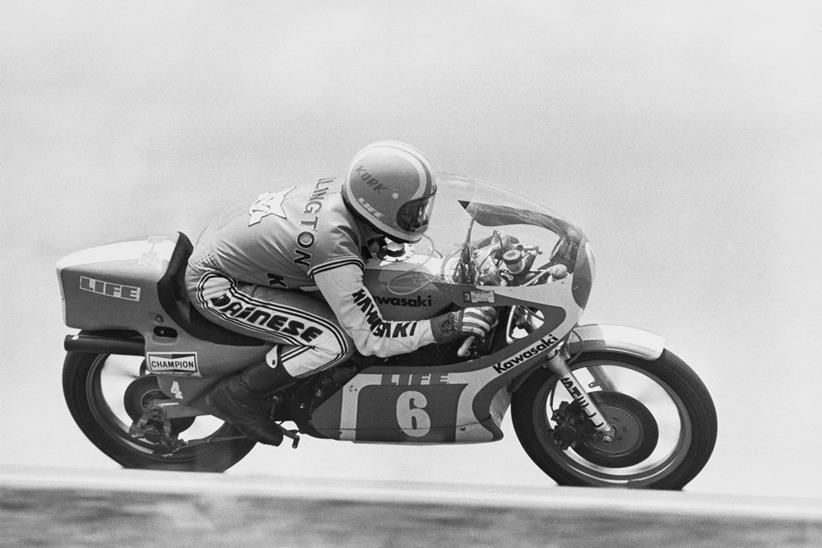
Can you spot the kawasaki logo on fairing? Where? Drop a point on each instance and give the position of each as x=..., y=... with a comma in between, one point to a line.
x=403, y=301
x=526, y=354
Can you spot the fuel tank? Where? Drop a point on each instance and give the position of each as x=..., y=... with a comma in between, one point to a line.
x=403, y=287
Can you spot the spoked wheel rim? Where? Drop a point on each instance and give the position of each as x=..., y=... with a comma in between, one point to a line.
x=117, y=386
x=656, y=429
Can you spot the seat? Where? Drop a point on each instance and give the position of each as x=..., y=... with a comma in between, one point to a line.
x=174, y=299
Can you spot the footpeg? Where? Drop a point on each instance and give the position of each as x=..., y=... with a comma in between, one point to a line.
x=154, y=427
x=294, y=435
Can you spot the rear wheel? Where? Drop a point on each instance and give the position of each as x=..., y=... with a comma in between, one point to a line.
x=107, y=394
x=664, y=419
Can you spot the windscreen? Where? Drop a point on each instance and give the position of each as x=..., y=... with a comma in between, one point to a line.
x=482, y=215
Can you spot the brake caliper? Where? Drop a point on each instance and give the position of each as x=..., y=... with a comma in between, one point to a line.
x=572, y=425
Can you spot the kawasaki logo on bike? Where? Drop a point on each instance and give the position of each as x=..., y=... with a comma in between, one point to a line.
x=166, y=362
x=528, y=353
x=404, y=301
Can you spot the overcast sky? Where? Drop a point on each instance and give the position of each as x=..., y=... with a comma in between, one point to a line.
x=684, y=138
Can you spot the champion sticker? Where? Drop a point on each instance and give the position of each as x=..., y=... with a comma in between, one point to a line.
x=183, y=363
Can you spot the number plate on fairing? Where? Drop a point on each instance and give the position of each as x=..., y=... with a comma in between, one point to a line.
x=417, y=414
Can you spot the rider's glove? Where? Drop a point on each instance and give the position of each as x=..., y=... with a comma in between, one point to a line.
x=476, y=321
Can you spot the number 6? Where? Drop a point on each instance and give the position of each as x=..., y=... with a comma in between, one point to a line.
x=411, y=416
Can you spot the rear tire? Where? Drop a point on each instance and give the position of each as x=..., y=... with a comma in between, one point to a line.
x=109, y=431
x=690, y=441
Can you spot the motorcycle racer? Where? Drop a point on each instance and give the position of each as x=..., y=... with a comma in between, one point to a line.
x=289, y=269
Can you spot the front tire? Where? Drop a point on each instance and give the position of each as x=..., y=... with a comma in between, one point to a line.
x=663, y=398
x=100, y=392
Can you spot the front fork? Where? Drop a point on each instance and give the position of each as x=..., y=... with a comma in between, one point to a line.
x=558, y=364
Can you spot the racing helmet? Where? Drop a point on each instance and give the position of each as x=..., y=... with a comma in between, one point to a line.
x=390, y=186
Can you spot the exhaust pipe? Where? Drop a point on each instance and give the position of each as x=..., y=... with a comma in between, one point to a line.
x=127, y=343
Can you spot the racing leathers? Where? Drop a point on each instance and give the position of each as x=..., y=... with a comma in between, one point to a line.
x=289, y=269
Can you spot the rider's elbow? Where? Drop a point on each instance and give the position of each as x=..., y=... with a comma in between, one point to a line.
x=372, y=346
x=369, y=348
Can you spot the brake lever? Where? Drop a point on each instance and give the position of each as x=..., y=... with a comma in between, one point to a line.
x=465, y=348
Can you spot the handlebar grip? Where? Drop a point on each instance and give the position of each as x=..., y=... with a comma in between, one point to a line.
x=465, y=348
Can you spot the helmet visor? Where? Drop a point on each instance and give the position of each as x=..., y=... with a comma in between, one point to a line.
x=413, y=217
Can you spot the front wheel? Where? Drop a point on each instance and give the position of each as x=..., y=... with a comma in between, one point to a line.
x=107, y=393
x=664, y=420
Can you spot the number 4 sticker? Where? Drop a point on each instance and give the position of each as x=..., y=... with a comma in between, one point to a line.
x=176, y=390
x=411, y=415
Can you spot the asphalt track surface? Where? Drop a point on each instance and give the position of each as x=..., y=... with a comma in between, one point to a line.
x=44, y=507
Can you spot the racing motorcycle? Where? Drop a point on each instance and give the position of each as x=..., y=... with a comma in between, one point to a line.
x=592, y=405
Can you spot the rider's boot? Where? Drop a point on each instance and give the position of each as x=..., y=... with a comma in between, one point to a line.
x=242, y=399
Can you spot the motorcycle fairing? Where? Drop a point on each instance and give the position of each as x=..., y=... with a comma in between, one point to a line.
x=469, y=399
x=462, y=402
